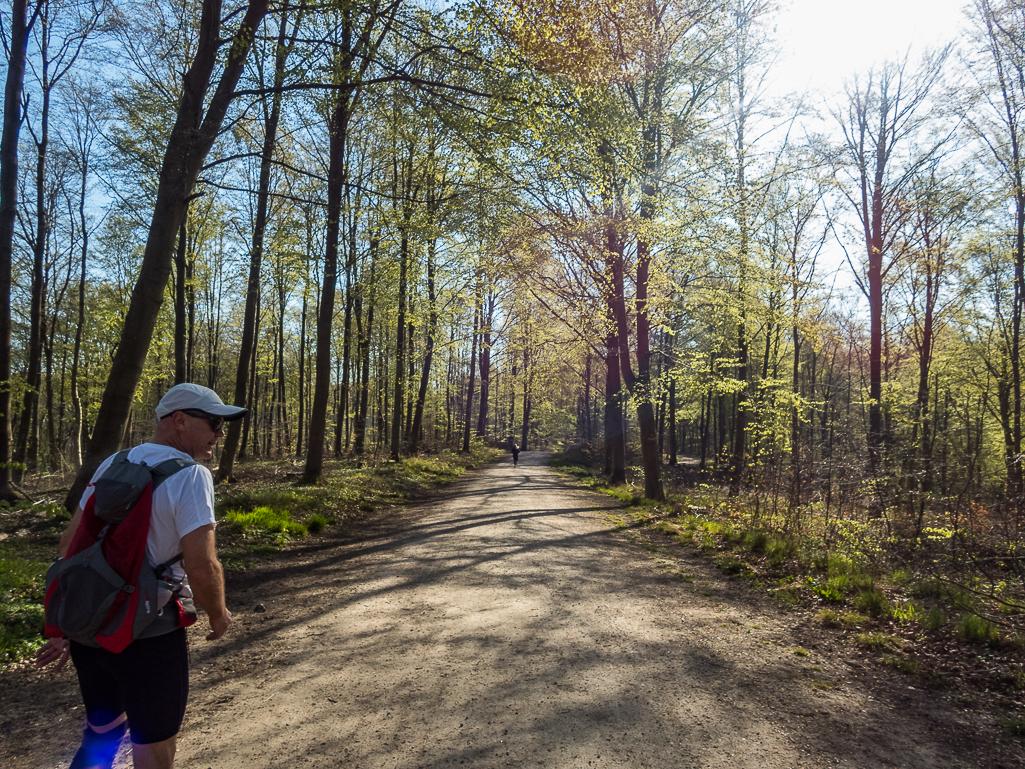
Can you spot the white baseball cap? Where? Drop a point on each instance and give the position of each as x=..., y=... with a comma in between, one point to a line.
x=194, y=397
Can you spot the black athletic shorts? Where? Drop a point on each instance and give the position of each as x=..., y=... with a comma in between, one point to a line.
x=149, y=681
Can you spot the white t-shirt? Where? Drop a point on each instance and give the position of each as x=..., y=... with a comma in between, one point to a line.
x=181, y=504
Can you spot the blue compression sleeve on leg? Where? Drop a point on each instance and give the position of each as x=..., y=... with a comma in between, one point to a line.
x=99, y=749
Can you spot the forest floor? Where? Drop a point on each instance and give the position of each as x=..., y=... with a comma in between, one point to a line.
x=511, y=620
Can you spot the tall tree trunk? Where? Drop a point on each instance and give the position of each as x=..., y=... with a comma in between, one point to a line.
x=53, y=454
x=660, y=417
x=477, y=300
x=364, y=331
x=796, y=459
x=1006, y=50
x=234, y=429
x=706, y=423
x=425, y=376
x=300, y=445
x=342, y=423
x=382, y=390
x=642, y=384
x=400, y=335
x=249, y=421
x=191, y=139
x=639, y=383
x=588, y=435
x=410, y=370
x=21, y=25
x=615, y=432
x=190, y=319
x=181, y=342
x=739, y=463
x=527, y=397
x=739, y=459
x=300, y=426
x=338, y=127
x=487, y=318
x=512, y=396
x=28, y=428
x=875, y=306
x=76, y=357
x=283, y=444
x=673, y=448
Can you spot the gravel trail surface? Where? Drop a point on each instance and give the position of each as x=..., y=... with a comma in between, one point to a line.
x=510, y=622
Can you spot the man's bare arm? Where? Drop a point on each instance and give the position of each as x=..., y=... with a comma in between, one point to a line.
x=56, y=649
x=206, y=577
x=69, y=533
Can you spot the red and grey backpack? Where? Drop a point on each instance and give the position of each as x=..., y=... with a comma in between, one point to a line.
x=105, y=592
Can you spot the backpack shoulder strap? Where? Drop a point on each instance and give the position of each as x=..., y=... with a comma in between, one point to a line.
x=169, y=467
x=121, y=456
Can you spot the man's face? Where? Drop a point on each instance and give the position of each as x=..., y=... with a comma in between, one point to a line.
x=200, y=434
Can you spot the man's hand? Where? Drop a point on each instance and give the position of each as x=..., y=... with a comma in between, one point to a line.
x=206, y=578
x=219, y=626
x=54, y=649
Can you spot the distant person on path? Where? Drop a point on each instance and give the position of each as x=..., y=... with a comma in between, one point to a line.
x=515, y=452
x=145, y=687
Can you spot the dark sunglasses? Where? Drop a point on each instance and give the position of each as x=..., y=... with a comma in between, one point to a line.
x=215, y=422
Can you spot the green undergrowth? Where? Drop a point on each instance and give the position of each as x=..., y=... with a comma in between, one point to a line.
x=260, y=513
x=22, y=587
x=268, y=506
x=263, y=511
x=31, y=536
x=841, y=575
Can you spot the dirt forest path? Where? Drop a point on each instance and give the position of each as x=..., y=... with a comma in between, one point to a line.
x=508, y=622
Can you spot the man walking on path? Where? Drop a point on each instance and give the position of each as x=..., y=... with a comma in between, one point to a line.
x=145, y=687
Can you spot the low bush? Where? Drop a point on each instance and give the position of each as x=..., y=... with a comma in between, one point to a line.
x=756, y=541
x=874, y=640
x=976, y=629
x=905, y=665
x=317, y=523
x=829, y=618
x=934, y=619
x=1014, y=726
x=266, y=519
x=908, y=613
x=873, y=603
x=731, y=566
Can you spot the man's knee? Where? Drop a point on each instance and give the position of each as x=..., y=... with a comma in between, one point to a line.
x=98, y=748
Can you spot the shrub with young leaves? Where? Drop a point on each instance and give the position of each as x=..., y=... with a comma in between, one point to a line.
x=873, y=603
x=976, y=629
x=266, y=519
